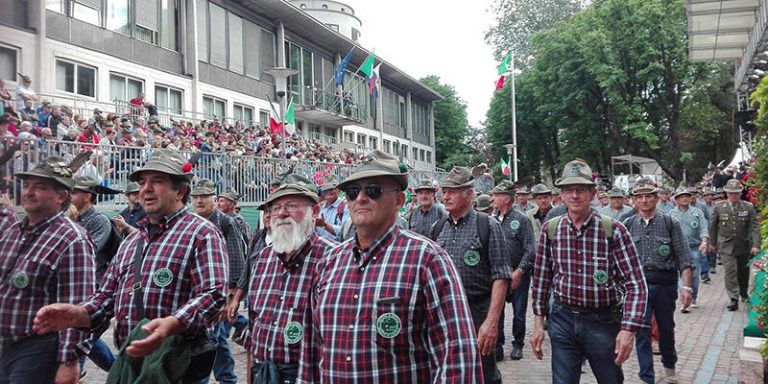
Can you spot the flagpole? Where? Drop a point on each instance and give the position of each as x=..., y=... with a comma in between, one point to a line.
x=514, y=119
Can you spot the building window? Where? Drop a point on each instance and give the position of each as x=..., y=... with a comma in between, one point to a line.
x=168, y=24
x=349, y=136
x=243, y=113
x=263, y=119
x=335, y=27
x=421, y=155
x=8, y=63
x=214, y=107
x=325, y=6
x=387, y=146
x=118, y=16
x=373, y=143
x=404, y=151
x=218, y=36
x=355, y=34
x=123, y=87
x=361, y=140
x=415, y=154
x=75, y=78
x=429, y=157
x=169, y=99
x=56, y=6
x=87, y=10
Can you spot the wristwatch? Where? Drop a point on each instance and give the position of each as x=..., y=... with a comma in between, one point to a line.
x=689, y=289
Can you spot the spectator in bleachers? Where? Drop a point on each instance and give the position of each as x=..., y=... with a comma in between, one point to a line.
x=43, y=112
x=13, y=124
x=137, y=105
x=54, y=120
x=6, y=100
x=89, y=136
x=24, y=92
x=25, y=131
x=4, y=128
x=64, y=127
x=29, y=113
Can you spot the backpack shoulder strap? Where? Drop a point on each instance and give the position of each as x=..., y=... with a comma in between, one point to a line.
x=607, y=225
x=437, y=228
x=552, y=226
x=483, y=231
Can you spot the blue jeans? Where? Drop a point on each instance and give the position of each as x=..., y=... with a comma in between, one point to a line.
x=697, y=261
x=100, y=355
x=519, y=309
x=575, y=336
x=223, y=364
x=661, y=303
x=32, y=360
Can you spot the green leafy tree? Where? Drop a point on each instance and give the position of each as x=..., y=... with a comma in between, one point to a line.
x=451, y=127
x=518, y=20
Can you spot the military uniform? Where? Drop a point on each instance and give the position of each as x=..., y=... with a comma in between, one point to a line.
x=733, y=232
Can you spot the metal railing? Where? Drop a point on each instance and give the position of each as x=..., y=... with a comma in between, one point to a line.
x=316, y=98
x=250, y=176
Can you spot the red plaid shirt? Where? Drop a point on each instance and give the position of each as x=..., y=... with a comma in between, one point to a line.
x=566, y=265
x=278, y=296
x=51, y=262
x=188, y=246
x=395, y=313
x=7, y=218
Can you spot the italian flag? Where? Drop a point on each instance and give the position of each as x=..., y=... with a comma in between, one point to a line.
x=367, y=67
x=505, y=168
x=290, y=120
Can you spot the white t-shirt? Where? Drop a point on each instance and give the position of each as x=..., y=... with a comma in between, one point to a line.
x=22, y=91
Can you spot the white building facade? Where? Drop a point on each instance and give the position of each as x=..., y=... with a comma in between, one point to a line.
x=198, y=59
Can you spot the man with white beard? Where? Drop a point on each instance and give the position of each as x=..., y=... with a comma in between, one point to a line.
x=278, y=294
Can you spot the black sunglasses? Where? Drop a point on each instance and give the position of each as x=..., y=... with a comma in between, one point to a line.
x=373, y=191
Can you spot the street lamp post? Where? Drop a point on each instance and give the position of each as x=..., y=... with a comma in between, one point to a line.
x=281, y=74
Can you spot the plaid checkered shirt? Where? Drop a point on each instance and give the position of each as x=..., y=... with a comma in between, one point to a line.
x=187, y=246
x=461, y=238
x=99, y=228
x=394, y=313
x=518, y=233
x=7, y=218
x=569, y=266
x=233, y=237
x=421, y=222
x=278, y=296
x=51, y=262
x=660, y=243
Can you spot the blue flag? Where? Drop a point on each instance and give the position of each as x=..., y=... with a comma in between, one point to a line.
x=343, y=67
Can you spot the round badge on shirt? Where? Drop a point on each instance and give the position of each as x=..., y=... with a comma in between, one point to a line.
x=388, y=325
x=162, y=277
x=664, y=250
x=293, y=332
x=471, y=258
x=600, y=277
x=20, y=280
x=514, y=224
x=694, y=224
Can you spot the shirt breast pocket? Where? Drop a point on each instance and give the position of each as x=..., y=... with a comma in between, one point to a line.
x=390, y=323
x=663, y=246
x=32, y=274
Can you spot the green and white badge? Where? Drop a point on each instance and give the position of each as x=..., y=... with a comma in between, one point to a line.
x=293, y=332
x=471, y=258
x=20, y=280
x=514, y=224
x=162, y=277
x=388, y=325
x=600, y=277
x=694, y=224
x=664, y=250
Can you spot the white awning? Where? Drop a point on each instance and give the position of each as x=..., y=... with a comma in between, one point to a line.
x=718, y=30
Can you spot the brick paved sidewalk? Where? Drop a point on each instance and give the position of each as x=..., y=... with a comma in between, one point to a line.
x=708, y=341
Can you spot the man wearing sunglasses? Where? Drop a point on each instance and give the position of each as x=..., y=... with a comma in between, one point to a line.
x=279, y=288
x=387, y=305
x=481, y=259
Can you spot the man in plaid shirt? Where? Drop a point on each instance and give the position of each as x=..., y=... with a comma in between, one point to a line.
x=45, y=258
x=483, y=265
x=183, y=272
x=204, y=204
x=7, y=215
x=590, y=266
x=387, y=305
x=279, y=288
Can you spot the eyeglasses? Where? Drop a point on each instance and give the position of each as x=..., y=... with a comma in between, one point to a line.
x=373, y=191
x=290, y=208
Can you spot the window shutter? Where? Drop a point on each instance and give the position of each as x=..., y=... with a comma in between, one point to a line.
x=146, y=14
